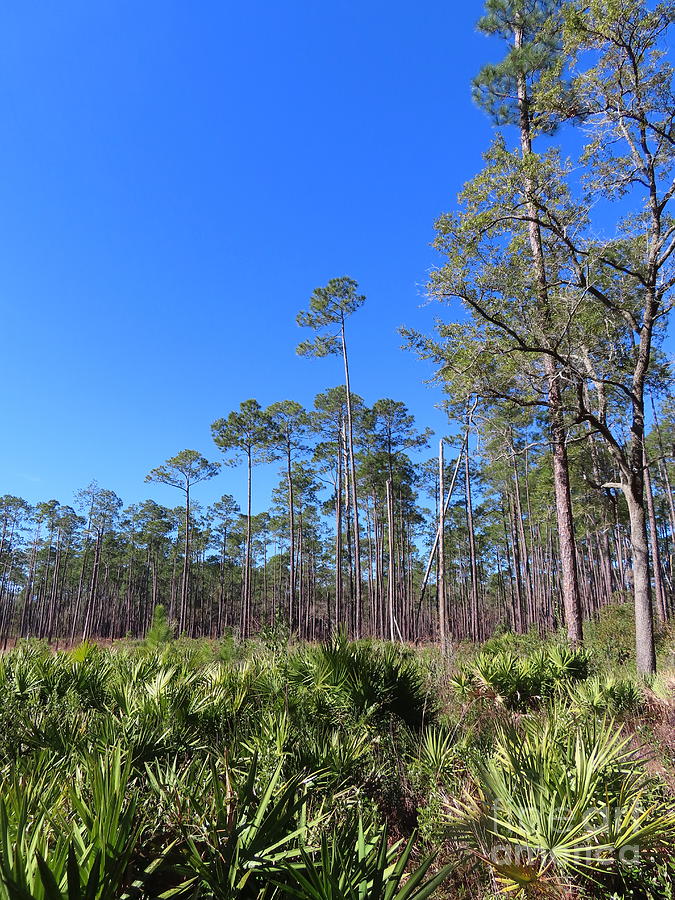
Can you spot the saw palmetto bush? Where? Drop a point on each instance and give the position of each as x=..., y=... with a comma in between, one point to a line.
x=520, y=682
x=363, y=679
x=554, y=802
x=607, y=694
x=341, y=757
x=174, y=770
x=437, y=755
x=27, y=837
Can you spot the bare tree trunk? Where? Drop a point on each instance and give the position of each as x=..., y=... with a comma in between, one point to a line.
x=659, y=588
x=391, y=581
x=517, y=569
x=475, y=621
x=668, y=490
x=441, y=551
x=563, y=508
x=89, y=612
x=291, y=533
x=355, y=499
x=644, y=625
x=246, y=584
x=186, y=564
x=519, y=537
x=338, y=541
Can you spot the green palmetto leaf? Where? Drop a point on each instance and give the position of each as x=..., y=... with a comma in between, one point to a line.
x=570, y=801
x=437, y=751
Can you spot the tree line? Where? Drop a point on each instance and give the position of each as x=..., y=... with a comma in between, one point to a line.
x=94, y=568
x=554, y=494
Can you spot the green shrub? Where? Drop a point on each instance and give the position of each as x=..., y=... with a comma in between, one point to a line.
x=606, y=694
x=190, y=762
x=520, y=682
x=363, y=679
x=611, y=637
x=553, y=802
x=511, y=642
x=242, y=836
x=227, y=647
x=160, y=631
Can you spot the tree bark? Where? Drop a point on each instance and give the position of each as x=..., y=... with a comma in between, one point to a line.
x=391, y=580
x=563, y=500
x=659, y=588
x=354, y=492
x=644, y=625
x=441, y=551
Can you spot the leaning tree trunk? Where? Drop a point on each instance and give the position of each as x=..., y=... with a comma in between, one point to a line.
x=474, y=618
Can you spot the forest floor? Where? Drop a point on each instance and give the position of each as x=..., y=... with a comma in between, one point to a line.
x=350, y=769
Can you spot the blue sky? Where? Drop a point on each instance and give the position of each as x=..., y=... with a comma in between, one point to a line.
x=176, y=179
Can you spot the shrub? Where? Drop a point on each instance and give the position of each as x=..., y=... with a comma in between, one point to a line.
x=520, y=682
x=553, y=802
x=606, y=694
x=363, y=679
x=611, y=637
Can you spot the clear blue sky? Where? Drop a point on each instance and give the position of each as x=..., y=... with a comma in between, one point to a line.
x=176, y=179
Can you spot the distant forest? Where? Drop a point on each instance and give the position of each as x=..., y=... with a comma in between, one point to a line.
x=552, y=497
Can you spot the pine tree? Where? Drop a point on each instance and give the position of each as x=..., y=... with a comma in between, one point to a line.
x=183, y=471
x=249, y=431
x=329, y=308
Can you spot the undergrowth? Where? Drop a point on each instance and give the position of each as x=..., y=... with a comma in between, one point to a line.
x=175, y=768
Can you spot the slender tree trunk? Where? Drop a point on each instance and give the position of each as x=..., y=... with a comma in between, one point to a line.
x=354, y=491
x=93, y=585
x=668, y=490
x=644, y=625
x=186, y=563
x=338, y=542
x=441, y=551
x=517, y=568
x=391, y=580
x=475, y=620
x=563, y=507
x=659, y=587
x=246, y=585
x=291, y=533
x=524, y=554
